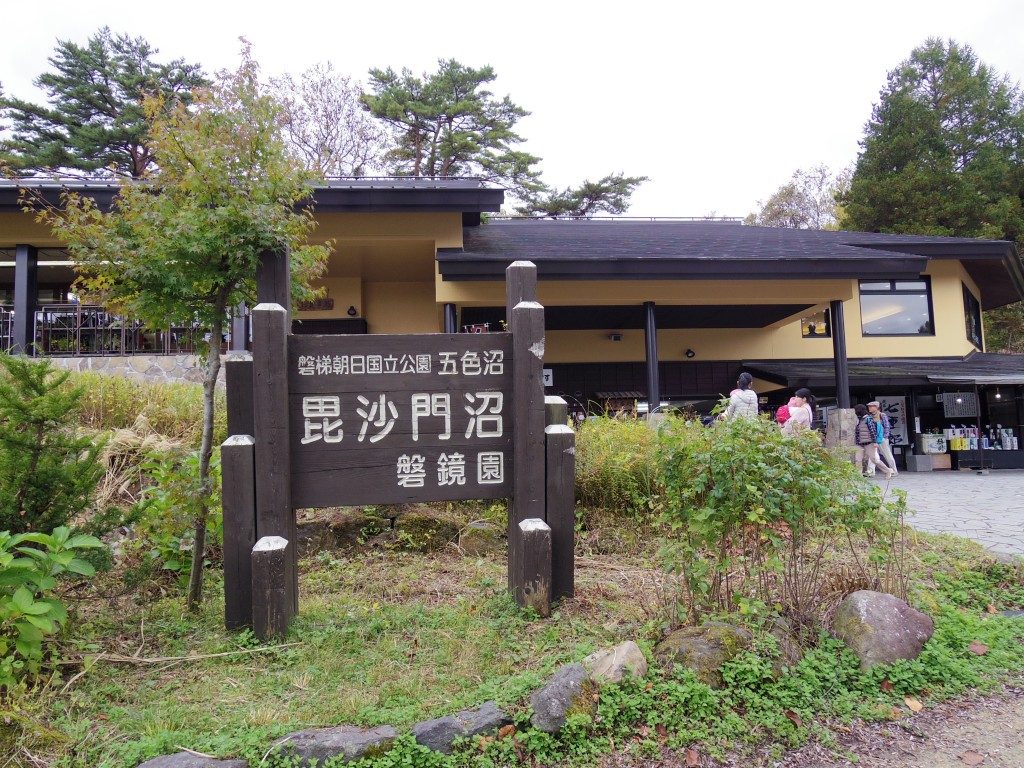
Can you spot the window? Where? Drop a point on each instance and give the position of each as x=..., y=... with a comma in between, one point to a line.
x=816, y=326
x=896, y=308
x=972, y=311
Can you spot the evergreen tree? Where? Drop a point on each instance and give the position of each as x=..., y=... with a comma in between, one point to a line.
x=943, y=154
x=608, y=195
x=47, y=473
x=94, y=119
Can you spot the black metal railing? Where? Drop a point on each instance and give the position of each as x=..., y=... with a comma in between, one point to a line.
x=6, y=327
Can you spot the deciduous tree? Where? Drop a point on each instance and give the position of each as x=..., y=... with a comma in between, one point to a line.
x=807, y=201
x=943, y=154
x=184, y=245
x=94, y=120
x=326, y=125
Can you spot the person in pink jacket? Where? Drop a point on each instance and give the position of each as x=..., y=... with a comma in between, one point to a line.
x=801, y=412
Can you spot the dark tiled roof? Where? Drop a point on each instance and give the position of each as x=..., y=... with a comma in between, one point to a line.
x=977, y=367
x=624, y=249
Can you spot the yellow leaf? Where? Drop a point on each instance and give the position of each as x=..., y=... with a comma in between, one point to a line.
x=913, y=704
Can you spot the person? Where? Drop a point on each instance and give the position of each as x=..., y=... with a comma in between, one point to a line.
x=883, y=429
x=801, y=412
x=742, y=400
x=867, y=446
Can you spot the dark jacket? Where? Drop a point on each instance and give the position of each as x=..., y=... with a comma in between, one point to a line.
x=866, y=433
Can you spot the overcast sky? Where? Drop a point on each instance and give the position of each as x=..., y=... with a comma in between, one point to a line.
x=718, y=103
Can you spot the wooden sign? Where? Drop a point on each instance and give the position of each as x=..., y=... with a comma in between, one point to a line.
x=388, y=419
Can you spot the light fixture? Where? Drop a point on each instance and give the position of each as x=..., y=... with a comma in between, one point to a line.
x=959, y=400
x=615, y=336
x=999, y=395
x=690, y=353
x=352, y=311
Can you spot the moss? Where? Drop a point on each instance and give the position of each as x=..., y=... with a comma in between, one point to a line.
x=704, y=649
x=586, y=702
x=425, y=529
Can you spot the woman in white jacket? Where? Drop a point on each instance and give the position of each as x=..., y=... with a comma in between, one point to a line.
x=742, y=400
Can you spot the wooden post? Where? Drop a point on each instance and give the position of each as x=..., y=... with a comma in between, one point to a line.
x=238, y=383
x=527, y=327
x=271, y=601
x=273, y=279
x=274, y=514
x=26, y=274
x=842, y=366
x=238, y=499
x=560, y=463
x=556, y=410
x=240, y=328
x=533, y=564
x=520, y=284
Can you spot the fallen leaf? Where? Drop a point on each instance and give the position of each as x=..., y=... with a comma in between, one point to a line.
x=971, y=757
x=692, y=758
x=644, y=731
x=662, y=732
x=913, y=704
x=794, y=718
x=887, y=685
x=895, y=713
x=978, y=648
x=991, y=608
x=505, y=731
x=649, y=687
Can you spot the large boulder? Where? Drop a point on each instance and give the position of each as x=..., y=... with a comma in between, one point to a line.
x=611, y=665
x=344, y=742
x=704, y=649
x=880, y=628
x=350, y=527
x=480, y=538
x=188, y=760
x=425, y=529
x=569, y=692
x=440, y=734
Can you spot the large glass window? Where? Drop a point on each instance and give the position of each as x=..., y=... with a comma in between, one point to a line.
x=816, y=326
x=896, y=308
x=972, y=311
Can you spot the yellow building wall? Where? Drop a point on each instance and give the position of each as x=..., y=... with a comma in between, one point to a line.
x=401, y=308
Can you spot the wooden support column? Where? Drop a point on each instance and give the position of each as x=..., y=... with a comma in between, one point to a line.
x=240, y=328
x=26, y=281
x=556, y=410
x=526, y=323
x=451, y=318
x=238, y=384
x=560, y=461
x=274, y=515
x=842, y=367
x=238, y=500
x=271, y=603
x=651, y=346
x=533, y=565
x=273, y=279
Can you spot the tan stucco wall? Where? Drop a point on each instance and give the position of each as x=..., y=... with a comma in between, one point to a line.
x=401, y=308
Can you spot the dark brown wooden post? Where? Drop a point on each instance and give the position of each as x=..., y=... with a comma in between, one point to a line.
x=561, y=507
x=526, y=323
x=520, y=284
x=240, y=328
x=238, y=383
x=274, y=515
x=271, y=603
x=273, y=279
x=556, y=410
x=238, y=499
x=533, y=565
x=26, y=273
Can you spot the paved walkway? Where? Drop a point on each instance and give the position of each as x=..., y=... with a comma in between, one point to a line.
x=987, y=508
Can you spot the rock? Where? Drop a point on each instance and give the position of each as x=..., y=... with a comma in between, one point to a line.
x=613, y=664
x=790, y=651
x=704, y=649
x=188, y=760
x=439, y=734
x=346, y=742
x=881, y=628
x=569, y=692
x=351, y=527
x=425, y=529
x=1013, y=614
x=480, y=538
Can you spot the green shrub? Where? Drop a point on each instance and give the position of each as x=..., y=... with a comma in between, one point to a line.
x=174, y=409
x=616, y=465
x=48, y=473
x=756, y=514
x=28, y=610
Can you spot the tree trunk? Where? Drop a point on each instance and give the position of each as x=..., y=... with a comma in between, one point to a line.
x=195, y=580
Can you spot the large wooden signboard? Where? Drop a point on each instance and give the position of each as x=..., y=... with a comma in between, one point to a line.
x=346, y=420
x=391, y=419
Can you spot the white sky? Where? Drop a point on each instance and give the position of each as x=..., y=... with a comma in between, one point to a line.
x=718, y=103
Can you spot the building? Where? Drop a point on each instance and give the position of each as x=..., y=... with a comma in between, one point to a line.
x=637, y=311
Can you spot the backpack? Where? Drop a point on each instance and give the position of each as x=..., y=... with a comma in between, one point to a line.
x=782, y=415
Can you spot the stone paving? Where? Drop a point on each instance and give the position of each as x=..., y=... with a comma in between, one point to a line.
x=987, y=508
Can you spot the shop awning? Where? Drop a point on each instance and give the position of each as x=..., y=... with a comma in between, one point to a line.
x=976, y=368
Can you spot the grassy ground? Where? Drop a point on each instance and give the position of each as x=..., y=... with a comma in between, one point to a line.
x=395, y=637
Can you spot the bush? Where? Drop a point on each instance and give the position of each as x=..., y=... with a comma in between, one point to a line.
x=28, y=610
x=616, y=464
x=757, y=514
x=47, y=472
x=174, y=409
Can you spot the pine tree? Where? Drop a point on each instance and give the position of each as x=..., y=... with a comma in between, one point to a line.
x=48, y=473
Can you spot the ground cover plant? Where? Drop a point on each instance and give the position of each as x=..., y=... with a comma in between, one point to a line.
x=392, y=634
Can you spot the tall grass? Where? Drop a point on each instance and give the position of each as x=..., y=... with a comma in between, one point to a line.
x=616, y=464
x=174, y=410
